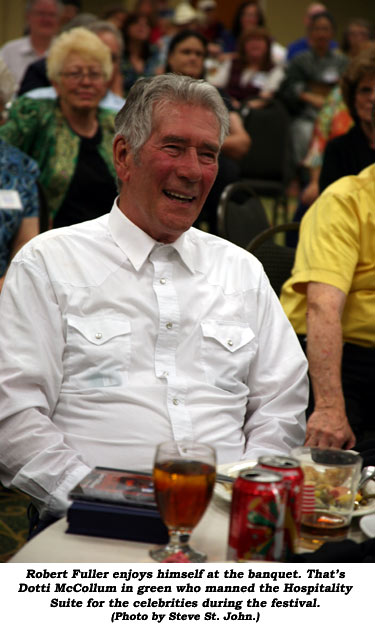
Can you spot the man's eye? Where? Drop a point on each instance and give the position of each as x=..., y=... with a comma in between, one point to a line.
x=172, y=148
x=207, y=156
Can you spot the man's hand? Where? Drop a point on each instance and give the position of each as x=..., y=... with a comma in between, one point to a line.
x=316, y=100
x=329, y=427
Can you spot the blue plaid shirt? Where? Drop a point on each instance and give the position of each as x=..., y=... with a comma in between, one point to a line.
x=17, y=172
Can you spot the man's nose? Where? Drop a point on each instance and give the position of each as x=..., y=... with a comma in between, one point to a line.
x=189, y=166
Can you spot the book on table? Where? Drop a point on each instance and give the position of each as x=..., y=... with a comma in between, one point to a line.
x=118, y=504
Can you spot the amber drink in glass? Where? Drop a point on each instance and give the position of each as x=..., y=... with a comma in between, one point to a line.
x=184, y=478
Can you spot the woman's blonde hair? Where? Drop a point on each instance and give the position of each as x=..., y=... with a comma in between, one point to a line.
x=83, y=42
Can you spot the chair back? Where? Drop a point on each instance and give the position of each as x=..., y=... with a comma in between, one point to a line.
x=277, y=260
x=268, y=159
x=241, y=215
x=268, y=164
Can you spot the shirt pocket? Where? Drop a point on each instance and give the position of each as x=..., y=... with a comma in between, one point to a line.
x=97, y=352
x=227, y=351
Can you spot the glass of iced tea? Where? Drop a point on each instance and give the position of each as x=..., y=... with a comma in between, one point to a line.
x=330, y=484
x=184, y=478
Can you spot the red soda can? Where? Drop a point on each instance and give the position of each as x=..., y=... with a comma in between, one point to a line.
x=257, y=517
x=293, y=476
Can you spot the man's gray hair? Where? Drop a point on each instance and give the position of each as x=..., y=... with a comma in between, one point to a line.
x=30, y=5
x=102, y=26
x=134, y=120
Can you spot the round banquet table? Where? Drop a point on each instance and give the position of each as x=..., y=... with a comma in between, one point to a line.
x=55, y=545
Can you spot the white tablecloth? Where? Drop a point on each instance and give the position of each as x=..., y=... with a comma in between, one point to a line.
x=55, y=545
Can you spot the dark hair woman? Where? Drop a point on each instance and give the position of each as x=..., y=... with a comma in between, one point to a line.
x=252, y=78
x=141, y=59
x=186, y=54
x=356, y=35
x=250, y=15
x=350, y=153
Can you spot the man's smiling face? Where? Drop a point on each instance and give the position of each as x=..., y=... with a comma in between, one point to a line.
x=166, y=184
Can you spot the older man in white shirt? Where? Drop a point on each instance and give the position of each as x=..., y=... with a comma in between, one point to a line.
x=135, y=328
x=42, y=17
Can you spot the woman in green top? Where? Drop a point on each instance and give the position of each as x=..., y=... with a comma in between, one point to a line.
x=71, y=137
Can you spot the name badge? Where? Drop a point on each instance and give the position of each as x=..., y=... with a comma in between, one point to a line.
x=330, y=75
x=10, y=200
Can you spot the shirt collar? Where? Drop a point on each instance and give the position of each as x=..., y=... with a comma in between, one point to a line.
x=137, y=244
x=26, y=47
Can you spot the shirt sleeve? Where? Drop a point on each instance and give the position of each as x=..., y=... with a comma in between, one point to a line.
x=331, y=256
x=274, y=79
x=28, y=189
x=277, y=381
x=34, y=456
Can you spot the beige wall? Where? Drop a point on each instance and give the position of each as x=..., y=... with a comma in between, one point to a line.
x=12, y=14
x=284, y=17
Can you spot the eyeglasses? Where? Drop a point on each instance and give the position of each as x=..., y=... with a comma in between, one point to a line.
x=77, y=75
x=44, y=14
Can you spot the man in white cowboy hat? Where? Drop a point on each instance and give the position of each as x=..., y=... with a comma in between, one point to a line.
x=184, y=17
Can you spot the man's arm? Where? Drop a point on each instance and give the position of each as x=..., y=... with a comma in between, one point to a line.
x=316, y=100
x=34, y=455
x=328, y=425
x=278, y=385
x=237, y=143
x=28, y=229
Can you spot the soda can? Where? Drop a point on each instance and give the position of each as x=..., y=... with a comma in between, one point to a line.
x=257, y=517
x=293, y=476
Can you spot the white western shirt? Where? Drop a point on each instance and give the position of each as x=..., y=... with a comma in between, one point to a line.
x=111, y=343
x=18, y=54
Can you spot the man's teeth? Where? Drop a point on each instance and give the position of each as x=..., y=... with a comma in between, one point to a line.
x=173, y=195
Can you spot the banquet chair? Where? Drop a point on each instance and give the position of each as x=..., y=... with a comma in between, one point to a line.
x=268, y=163
x=277, y=260
x=240, y=214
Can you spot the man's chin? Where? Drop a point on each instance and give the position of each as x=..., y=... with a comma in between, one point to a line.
x=175, y=228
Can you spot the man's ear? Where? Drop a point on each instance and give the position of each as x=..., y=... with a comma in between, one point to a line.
x=121, y=157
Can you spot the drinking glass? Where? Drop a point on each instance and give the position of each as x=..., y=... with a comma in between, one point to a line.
x=184, y=477
x=331, y=479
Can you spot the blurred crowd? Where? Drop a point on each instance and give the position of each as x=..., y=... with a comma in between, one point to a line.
x=64, y=80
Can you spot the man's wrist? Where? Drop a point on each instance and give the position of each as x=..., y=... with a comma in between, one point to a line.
x=323, y=406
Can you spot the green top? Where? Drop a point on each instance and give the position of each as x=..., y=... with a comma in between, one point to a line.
x=39, y=128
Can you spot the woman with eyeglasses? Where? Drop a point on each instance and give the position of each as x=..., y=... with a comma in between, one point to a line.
x=70, y=138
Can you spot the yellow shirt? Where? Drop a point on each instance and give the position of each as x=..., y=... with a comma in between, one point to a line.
x=337, y=247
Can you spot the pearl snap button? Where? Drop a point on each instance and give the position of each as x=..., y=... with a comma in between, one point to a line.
x=169, y=325
x=175, y=402
x=163, y=281
x=230, y=343
x=98, y=336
